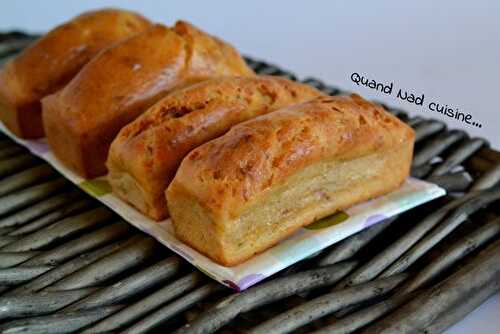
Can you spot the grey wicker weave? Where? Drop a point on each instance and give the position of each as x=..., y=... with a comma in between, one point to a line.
x=68, y=264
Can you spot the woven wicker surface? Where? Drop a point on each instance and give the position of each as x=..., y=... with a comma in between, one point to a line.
x=67, y=264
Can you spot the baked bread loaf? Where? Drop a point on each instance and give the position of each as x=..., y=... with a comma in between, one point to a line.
x=145, y=155
x=48, y=64
x=243, y=192
x=121, y=82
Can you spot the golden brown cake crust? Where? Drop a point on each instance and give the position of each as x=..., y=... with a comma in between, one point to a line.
x=51, y=61
x=241, y=193
x=208, y=54
x=229, y=172
x=121, y=82
x=150, y=149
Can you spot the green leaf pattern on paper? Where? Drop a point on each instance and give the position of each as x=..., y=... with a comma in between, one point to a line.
x=96, y=187
x=334, y=219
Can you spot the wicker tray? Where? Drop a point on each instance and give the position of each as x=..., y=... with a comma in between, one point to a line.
x=67, y=264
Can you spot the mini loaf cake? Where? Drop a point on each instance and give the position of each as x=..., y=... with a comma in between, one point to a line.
x=119, y=84
x=48, y=64
x=145, y=155
x=243, y=192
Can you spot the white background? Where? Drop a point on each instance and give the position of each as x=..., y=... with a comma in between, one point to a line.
x=447, y=50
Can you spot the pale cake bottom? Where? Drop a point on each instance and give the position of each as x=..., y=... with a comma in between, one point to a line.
x=131, y=191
